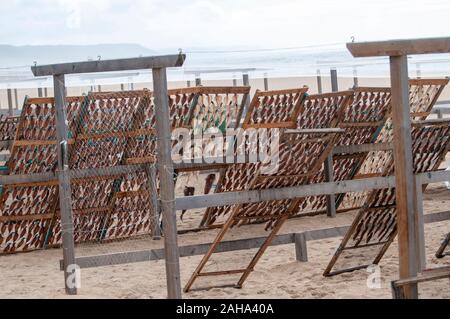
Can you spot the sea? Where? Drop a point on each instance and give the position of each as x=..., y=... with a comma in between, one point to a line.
x=258, y=63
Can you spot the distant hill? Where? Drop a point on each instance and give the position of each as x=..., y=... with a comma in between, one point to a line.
x=45, y=54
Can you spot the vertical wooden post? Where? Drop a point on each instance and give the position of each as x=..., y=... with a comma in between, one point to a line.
x=10, y=102
x=122, y=87
x=99, y=88
x=301, y=248
x=65, y=192
x=167, y=185
x=334, y=80
x=198, y=80
x=329, y=177
x=16, y=98
x=132, y=86
x=329, y=167
x=40, y=92
x=246, y=82
x=266, y=82
x=45, y=92
x=151, y=173
x=420, y=230
x=189, y=84
x=355, y=78
x=405, y=182
x=319, y=82
x=234, y=81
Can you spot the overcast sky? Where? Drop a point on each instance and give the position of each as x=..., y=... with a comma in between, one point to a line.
x=159, y=24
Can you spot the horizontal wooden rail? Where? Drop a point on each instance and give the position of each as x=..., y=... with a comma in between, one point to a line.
x=299, y=239
x=256, y=196
x=154, y=62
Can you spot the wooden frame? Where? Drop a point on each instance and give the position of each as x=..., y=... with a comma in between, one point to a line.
x=158, y=66
x=398, y=50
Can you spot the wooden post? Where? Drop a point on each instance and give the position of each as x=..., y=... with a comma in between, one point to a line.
x=188, y=84
x=167, y=185
x=151, y=173
x=65, y=192
x=246, y=82
x=234, y=81
x=16, y=98
x=132, y=86
x=355, y=78
x=198, y=80
x=122, y=87
x=99, y=88
x=329, y=177
x=266, y=82
x=420, y=230
x=404, y=177
x=10, y=103
x=334, y=80
x=319, y=82
x=40, y=92
x=329, y=166
x=301, y=247
x=45, y=92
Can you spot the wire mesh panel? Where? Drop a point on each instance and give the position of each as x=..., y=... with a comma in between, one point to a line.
x=112, y=156
x=375, y=225
x=26, y=210
x=423, y=96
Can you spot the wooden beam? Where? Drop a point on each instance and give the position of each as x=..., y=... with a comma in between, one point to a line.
x=334, y=80
x=167, y=184
x=363, y=148
x=329, y=177
x=319, y=82
x=10, y=102
x=314, y=131
x=75, y=175
x=166, y=61
x=404, y=175
x=223, y=247
x=65, y=190
x=400, y=47
x=256, y=196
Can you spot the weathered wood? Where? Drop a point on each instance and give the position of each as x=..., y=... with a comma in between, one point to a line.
x=10, y=102
x=329, y=177
x=16, y=98
x=363, y=148
x=167, y=185
x=420, y=230
x=319, y=82
x=65, y=190
x=151, y=175
x=404, y=174
x=18, y=180
x=400, y=47
x=141, y=63
x=223, y=247
x=301, y=248
x=266, y=83
x=314, y=131
x=256, y=196
x=398, y=287
x=334, y=80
